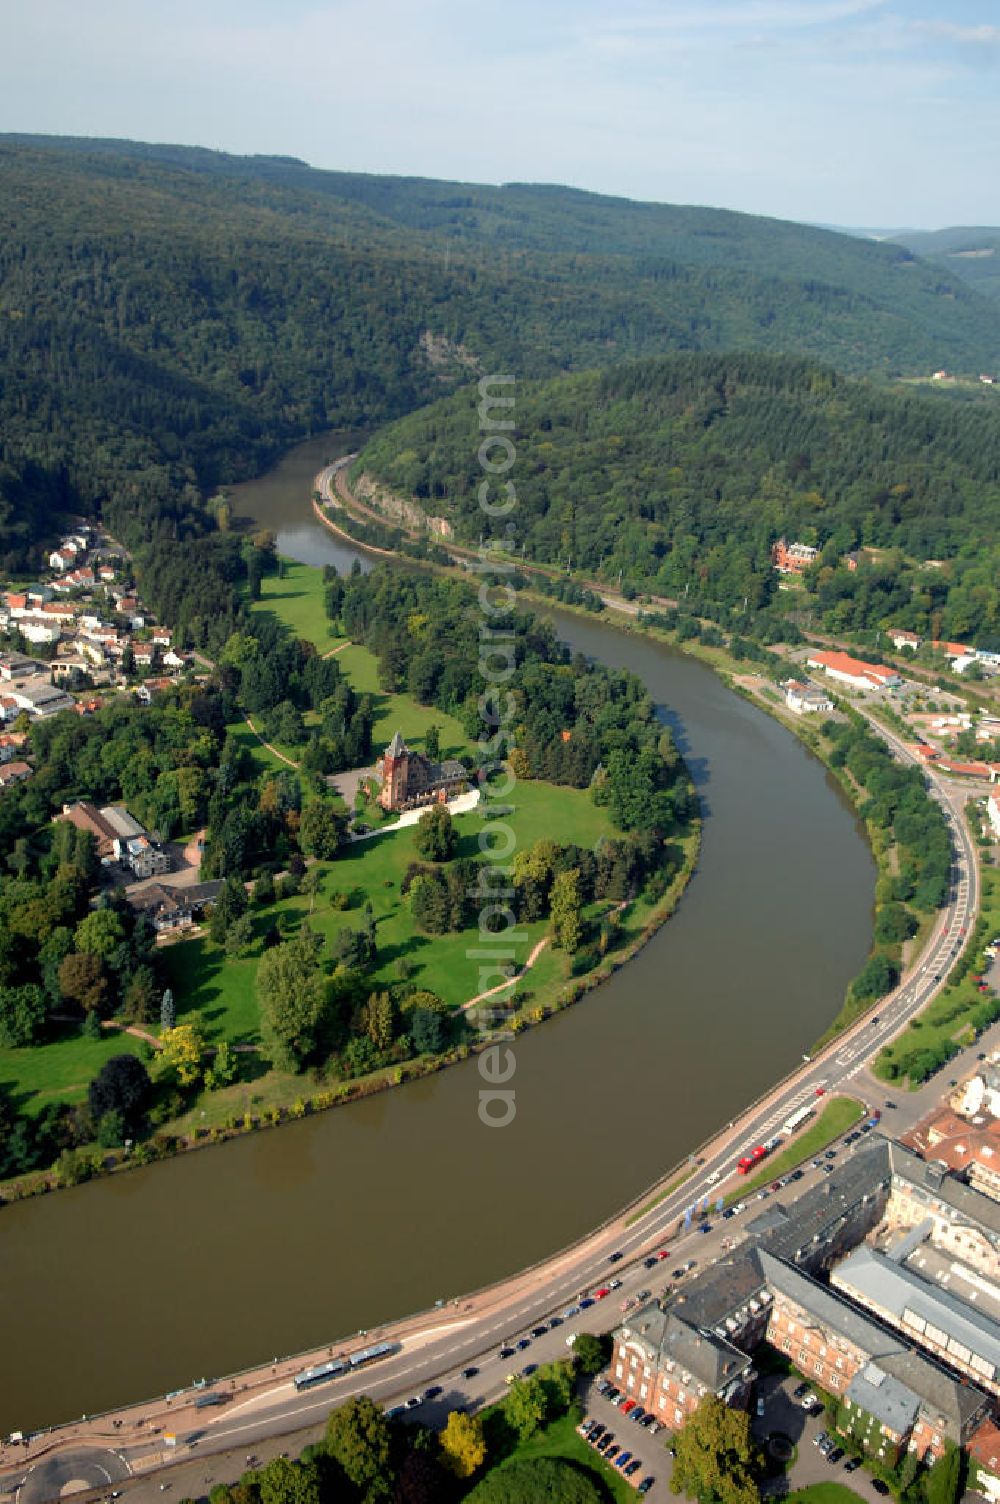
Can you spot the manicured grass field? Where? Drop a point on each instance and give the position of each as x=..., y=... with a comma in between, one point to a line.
x=400, y=712
x=62, y=1070
x=823, y=1493
x=296, y=599
x=560, y=1439
x=838, y=1115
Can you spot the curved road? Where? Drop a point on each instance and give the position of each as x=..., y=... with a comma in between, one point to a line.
x=469, y=1334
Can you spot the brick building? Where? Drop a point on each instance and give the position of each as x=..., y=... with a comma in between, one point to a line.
x=409, y=779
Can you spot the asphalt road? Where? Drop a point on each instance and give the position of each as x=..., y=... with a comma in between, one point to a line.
x=441, y=1351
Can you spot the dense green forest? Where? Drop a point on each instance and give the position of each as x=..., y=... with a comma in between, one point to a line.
x=681, y=471
x=967, y=252
x=171, y=318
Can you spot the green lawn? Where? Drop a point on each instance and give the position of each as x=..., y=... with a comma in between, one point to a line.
x=560, y=1439
x=400, y=712
x=221, y=991
x=62, y=1070
x=823, y=1493
x=838, y=1115
x=296, y=599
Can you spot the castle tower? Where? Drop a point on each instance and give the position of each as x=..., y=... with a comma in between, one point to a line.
x=395, y=773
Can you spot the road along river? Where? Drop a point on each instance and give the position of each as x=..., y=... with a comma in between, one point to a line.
x=284, y=1239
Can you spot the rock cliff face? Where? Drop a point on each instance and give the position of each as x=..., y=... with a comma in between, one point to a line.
x=400, y=509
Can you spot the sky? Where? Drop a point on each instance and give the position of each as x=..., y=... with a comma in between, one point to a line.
x=866, y=113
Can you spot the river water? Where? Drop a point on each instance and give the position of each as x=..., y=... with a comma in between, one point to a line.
x=282, y=1240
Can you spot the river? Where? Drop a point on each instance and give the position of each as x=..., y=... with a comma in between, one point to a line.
x=284, y=1239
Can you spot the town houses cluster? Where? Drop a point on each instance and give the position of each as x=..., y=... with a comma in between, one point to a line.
x=80, y=630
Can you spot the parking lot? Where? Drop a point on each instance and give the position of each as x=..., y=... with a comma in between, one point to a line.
x=784, y=1417
x=649, y=1449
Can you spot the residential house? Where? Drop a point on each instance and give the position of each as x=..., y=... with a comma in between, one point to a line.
x=793, y=558
x=806, y=698
x=13, y=772
x=170, y=909
x=903, y=639
x=145, y=858
x=11, y=743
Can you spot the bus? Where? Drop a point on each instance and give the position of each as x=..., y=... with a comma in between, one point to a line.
x=372, y=1354
x=321, y=1373
x=205, y=1401
x=799, y=1116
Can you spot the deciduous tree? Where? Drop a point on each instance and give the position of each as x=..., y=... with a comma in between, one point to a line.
x=462, y=1443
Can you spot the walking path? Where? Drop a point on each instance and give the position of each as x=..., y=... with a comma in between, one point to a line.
x=271, y=747
x=511, y=981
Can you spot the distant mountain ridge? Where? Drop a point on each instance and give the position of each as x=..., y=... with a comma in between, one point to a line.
x=172, y=317
x=964, y=251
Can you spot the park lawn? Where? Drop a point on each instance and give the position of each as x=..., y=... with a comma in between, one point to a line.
x=560, y=1439
x=399, y=712
x=206, y=982
x=222, y=992
x=296, y=598
x=823, y=1493
x=264, y=759
x=839, y=1114
x=61, y=1070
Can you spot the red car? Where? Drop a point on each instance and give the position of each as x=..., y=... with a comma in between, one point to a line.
x=663, y=1253
x=600, y=1294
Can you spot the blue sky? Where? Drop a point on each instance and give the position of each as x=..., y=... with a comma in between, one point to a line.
x=851, y=112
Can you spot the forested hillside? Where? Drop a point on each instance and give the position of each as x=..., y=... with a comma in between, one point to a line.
x=964, y=251
x=680, y=472
x=171, y=318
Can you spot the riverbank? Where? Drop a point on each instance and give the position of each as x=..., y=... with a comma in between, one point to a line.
x=211, y=985
x=737, y=674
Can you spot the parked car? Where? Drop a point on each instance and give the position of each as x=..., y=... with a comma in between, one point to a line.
x=646, y=1485
x=539, y=1331
x=880, y=1487
x=470, y=1372
x=433, y=1392
x=819, y=1440
x=852, y=1464
x=633, y=1467
x=614, y=1258
x=649, y=1263
x=835, y=1456
x=505, y=1352
x=800, y=1390
x=622, y=1458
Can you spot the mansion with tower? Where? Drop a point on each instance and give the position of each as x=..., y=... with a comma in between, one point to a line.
x=409, y=780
